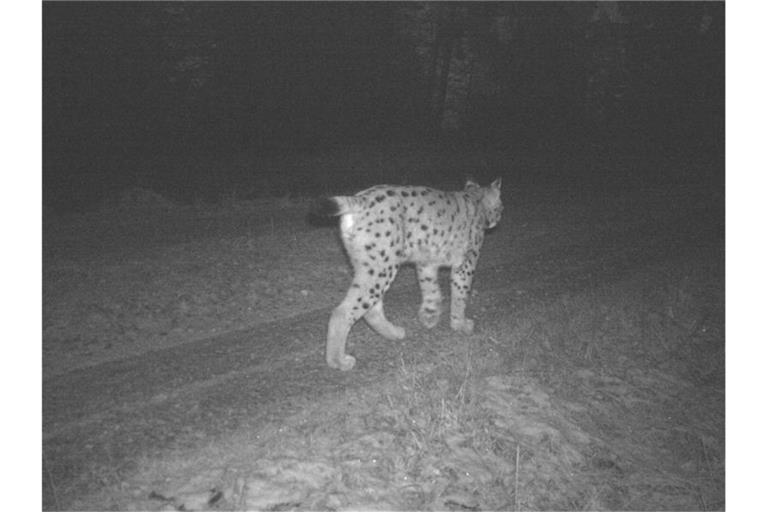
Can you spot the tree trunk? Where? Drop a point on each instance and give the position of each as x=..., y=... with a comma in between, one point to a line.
x=448, y=37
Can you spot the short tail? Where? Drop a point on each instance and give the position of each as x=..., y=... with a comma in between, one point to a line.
x=338, y=205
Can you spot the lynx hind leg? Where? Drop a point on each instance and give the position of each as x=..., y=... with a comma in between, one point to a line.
x=363, y=300
x=461, y=283
x=379, y=323
x=374, y=283
x=342, y=319
x=351, y=309
x=431, y=298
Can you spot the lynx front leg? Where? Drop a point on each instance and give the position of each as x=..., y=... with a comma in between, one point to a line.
x=461, y=283
x=431, y=298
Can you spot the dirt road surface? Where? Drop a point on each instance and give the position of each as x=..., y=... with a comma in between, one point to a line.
x=113, y=404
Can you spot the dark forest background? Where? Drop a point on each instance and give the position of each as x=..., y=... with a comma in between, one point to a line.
x=190, y=99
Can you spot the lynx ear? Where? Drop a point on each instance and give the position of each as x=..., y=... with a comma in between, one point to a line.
x=471, y=183
x=496, y=184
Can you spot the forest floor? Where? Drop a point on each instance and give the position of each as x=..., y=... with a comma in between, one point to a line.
x=183, y=364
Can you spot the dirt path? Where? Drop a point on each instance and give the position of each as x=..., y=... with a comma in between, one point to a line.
x=113, y=414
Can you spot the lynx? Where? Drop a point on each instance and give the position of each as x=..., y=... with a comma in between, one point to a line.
x=384, y=227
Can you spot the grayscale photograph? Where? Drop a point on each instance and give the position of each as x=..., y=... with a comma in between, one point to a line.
x=457, y=256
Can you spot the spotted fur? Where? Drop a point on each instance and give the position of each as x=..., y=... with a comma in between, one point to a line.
x=385, y=226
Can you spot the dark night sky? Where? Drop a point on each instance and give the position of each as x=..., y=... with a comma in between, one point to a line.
x=180, y=81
